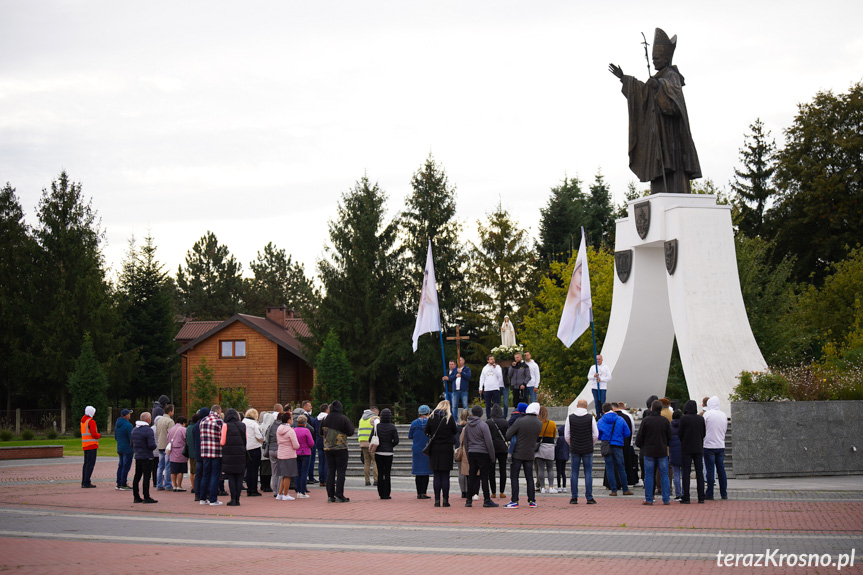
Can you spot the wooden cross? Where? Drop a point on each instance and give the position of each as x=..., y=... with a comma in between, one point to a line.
x=457, y=339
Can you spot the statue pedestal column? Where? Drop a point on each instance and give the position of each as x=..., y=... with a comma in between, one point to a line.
x=682, y=282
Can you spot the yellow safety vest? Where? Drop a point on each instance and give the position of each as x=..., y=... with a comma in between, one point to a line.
x=366, y=426
x=87, y=439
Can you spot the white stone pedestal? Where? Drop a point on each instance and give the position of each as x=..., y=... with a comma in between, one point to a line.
x=700, y=303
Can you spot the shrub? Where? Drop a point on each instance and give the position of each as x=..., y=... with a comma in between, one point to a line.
x=28, y=435
x=6, y=434
x=760, y=386
x=233, y=397
x=51, y=434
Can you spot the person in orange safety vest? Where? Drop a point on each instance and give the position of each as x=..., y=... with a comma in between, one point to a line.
x=90, y=442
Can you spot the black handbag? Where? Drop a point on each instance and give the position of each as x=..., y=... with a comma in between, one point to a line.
x=427, y=448
x=605, y=446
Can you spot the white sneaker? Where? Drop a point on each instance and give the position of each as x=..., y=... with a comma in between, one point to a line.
x=475, y=498
x=543, y=490
x=204, y=502
x=216, y=502
x=287, y=498
x=302, y=496
x=279, y=497
x=552, y=490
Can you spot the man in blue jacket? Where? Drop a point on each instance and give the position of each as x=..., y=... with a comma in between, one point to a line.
x=613, y=429
x=123, y=435
x=143, y=443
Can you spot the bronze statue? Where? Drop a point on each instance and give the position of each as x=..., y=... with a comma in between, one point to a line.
x=661, y=150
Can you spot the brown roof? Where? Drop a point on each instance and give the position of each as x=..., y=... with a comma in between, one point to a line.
x=298, y=327
x=281, y=336
x=194, y=329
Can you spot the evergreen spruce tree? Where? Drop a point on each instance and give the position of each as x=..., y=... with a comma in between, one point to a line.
x=752, y=183
x=17, y=250
x=147, y=318
x=210, y=287
x=278, y=281
x=362, y=280
x=560, y=222
x=202, y=391
x=333, y=376
x=88, y=385
x=73, y=294
x=599, y=216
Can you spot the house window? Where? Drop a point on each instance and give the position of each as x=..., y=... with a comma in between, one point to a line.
x=232, y=348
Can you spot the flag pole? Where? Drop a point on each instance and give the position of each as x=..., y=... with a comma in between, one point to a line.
x=595, y=362
x=443, y=361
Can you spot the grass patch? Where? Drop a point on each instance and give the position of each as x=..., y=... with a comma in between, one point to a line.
x=71, y=445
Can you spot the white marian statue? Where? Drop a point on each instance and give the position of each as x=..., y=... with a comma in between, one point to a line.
x=507, y=333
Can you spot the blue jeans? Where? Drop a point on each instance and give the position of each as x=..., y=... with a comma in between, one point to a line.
x=200, y=492
x=612, y=462
x=322, y=466
x=491, y=397
x=678, y=488
x=650, y=464
x=715, y=458
x=123, y=468
x=163, y=472
x=576, y=461
x=504, y=400
x=531, y=394
x=454, y=398
x=598, y=399
x=210, y=479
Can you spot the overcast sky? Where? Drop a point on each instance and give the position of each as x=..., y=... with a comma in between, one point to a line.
x=250, y=119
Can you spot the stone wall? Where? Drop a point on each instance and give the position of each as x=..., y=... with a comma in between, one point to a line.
x=797, y=438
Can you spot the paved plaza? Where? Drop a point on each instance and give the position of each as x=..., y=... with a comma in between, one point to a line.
x=48, y=524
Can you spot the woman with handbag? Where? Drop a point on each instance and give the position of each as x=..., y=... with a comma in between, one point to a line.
x=387, y=437
x=420, y=464
x=287, y=455
x=442, y=430
x=179, y=462
x=545, y=453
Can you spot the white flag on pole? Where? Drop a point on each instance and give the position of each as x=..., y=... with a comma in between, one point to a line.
x=577, y=309
x=428, y=316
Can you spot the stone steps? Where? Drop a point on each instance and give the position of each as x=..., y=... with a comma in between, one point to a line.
x=402, y=455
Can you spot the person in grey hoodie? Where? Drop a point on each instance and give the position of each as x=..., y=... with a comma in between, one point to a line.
x=480, y=450
x=526, y=430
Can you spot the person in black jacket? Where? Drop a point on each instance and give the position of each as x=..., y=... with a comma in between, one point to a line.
x=336, y=428
x=498, y=426
x=691, y=434
x=143, y=444
x=388, y=436
x=525, y=430
x=653, y=438
x=442, y=430
x=234, y=454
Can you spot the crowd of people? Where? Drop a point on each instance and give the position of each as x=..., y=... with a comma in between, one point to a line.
x=275, y=452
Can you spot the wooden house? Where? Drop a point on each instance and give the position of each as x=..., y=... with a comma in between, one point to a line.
x=262, y=355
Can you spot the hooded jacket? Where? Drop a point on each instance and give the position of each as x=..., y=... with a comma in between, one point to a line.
x=692, y=429
x=90, y=423
x=366, y=426
x=526, y=430
x=654, y=435
x=497, y=425
x=387, y=433
x=674, y=447
x=159, y=406
x=233, y=443
x=614, y=429
x=336, y=428
x=477, y=436
x=123, y=434
x=143, y=440
x=716, y=424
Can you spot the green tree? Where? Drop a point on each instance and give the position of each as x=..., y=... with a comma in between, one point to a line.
x=147, y=320
x=17, y=250
x=333, y=375
x=501, y=276
x=560, y=222
x=564, y=371
x=598, y=219
x=362, y=280
x=73, y=294
x=203, y=391
x=818, y=214
x=753, y=185
x=210, y=287
x=88, y=385
x=632, y=193
x=234, y=398
x=278, y=281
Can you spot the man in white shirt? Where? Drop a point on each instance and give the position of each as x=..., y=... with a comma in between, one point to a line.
x=598, y=380
x=490, y=384
x=533, y=384
x=716, y=425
